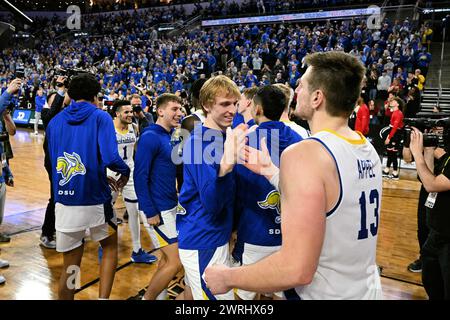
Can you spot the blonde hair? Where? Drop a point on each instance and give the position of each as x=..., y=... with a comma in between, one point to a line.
x=288, y=92
x=215, y=86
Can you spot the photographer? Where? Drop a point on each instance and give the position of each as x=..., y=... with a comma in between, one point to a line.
x=435, y=252
x=5, y=175
x=55, y=103
x=144, y=118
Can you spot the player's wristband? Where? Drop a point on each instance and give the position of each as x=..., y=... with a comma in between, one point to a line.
x=275, y=180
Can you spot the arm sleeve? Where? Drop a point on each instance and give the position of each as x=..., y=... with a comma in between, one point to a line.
x=55, y=108
x=108, y=146
x=145, y=154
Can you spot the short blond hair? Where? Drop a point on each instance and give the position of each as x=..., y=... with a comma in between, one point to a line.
x=215, y=86
x=288, y=92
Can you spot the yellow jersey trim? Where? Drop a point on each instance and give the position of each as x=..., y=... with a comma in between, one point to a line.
x=351, y=141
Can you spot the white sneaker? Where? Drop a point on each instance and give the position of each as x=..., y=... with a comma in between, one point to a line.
x=4, y=264
x=47, y=243
x=2, y=279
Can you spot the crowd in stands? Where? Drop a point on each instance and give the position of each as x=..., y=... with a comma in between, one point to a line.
x=132, y=57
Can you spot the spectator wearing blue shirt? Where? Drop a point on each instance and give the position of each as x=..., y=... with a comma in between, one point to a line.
x=40, y=101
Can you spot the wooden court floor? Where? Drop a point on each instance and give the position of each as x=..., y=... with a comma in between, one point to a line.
x=34, y=271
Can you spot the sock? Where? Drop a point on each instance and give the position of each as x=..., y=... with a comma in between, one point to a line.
x=133, y=223
x=163, y=295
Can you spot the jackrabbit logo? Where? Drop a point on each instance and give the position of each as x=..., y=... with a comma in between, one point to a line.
x=69, y=166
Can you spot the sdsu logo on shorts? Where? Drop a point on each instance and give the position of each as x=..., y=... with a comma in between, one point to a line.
x=69, y=166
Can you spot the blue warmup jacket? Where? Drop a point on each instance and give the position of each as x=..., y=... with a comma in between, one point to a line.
x=239, y=118
x=257, y=201
x=154, y=172
x=82, y=144
x=207, y=201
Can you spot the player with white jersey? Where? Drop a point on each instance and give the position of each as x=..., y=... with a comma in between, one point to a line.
x=127, y=136
x=330, y=187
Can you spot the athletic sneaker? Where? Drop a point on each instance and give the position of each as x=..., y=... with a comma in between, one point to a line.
x=416, y=266
x=4, y=238
x=143, y=257
x=394, y=177
x=119, y=221
x=386, y=174
x=2, y=279
x=4, y=264
x=48, y=242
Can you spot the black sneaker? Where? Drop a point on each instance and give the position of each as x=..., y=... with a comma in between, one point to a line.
x=4, y=238
x=416, y=266
x=119, y=221
x=394, y=177
x=386, y=174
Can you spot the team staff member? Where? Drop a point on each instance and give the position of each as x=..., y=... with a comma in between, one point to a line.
x=55, y=103
x=205, y=220
x=435, y=252
x=82, y=145
x=155, y=181
x=330, y=198
x=258, y=232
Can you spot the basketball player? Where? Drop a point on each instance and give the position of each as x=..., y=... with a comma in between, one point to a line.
x=127, y=135
x=289, y=93
x=205, y=219
x=331, y=188
x=257, y=201
x=244, y=114
x=81, y=145
x=155, y=179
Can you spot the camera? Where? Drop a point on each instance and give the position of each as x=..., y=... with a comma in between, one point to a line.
x=69, y=74
x=108, y=106
x=429, y=122
x=20, y=71
x=137, y=108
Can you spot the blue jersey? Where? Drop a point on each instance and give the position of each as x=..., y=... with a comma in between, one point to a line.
x=257, y=201
x=206, y=217
x=154, y=172
x=82, y=144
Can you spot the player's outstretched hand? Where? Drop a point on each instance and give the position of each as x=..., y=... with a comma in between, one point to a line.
x=259, y=161
x=216, y=279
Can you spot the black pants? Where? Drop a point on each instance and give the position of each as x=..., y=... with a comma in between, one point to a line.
x=48, y=228
x=422, y=228
x=436, y=266
x=393, y=150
